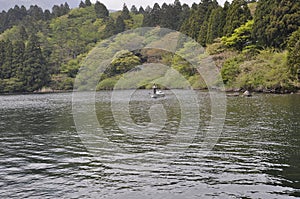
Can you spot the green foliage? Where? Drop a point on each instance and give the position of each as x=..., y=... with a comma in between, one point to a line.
x=123, y=62
x=237, y=14
x=125, y=13
x=107, y=84
x=294, y=53
x=216, y=24
x=268, y=71
x=120, y=25
x=215, y=48
x=231, y=70
x=275, y=21
x=61, y=82
x=198, y=19
x=39, y=48
x=134, y=10
x=240, y=38
x=101, y=10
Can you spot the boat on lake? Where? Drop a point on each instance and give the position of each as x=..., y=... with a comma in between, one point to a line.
x=158, y=94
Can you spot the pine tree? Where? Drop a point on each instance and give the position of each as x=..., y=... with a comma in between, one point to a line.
x=23, y=33
x=294, y=54
x=275, y=21
x=199, y=14
x=110, y=28
x=18, y=57
x=120, y=25
x=164, y=16
x=134, y=10
x=82, y=5
x=35, y=73
x=125, y=13
x=8, y=58
x=238, y=14
x=101, y=10
x=216, y=24
x=88, y=3
x=141, y=10
x=154, y=16
x=203, y=33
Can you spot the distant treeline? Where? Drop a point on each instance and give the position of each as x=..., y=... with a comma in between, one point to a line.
x=43, y=48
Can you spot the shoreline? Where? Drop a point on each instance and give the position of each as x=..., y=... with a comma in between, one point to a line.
x=229, y=92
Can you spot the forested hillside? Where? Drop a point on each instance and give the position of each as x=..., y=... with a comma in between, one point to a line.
x=256, y=45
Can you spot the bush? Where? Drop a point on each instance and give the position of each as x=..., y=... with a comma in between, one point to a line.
x=231, y=69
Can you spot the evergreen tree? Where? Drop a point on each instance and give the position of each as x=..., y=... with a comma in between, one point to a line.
x=8, y=59
x=199, y=14
x=88, y=3
x=134, y=10
x=238, y=14
x=141, y=10
x=18, y=58
x=110, y=28
x=176, y=19
x=294, y=53
x=120, y=25
x=203, y=34
x=36, y=12
x=152, y=18
x=101, y=10
x=275, y=21
x=185, y=14
x=23, y=33
x=35, y=73
x=164, y=16
x=148, y=9
x=125, y=13
x=82, y=5
x=47, y=15
x=216, y=24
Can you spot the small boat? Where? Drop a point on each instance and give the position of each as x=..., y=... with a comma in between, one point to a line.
x=247, y=94
x=158, y=94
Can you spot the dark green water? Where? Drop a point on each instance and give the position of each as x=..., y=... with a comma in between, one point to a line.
x=43, y=156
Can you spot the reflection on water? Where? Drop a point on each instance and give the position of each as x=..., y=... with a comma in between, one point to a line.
x=42, y=155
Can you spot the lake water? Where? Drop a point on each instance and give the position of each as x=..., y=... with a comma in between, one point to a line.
x=43, y=154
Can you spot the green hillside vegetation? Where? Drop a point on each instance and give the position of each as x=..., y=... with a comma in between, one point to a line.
x=254, y=44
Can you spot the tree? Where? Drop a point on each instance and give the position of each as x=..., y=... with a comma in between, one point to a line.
x=203, y=33
x=123, y=62
x=294, y=53
x=241, y=36
x=110, y=28
x=88, y=3
x=141, y=10
x=148, y=9
x=216, y=24
x=82, y=5
x=35, y=73
x=125, y=13
x=275, y=21
x=8, y=58
x=134, y=10
x=199, y=14
x=101, y=10
x=23, y=33
x=120, y=25
x=18, y=58
x=237, y=14
x=152, y=18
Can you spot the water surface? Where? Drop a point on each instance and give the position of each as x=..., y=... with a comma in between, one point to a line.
x=43, y=156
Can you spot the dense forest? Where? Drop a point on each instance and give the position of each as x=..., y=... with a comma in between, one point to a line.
x=255, y=44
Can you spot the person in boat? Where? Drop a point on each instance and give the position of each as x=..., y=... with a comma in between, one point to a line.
x=154, y=88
